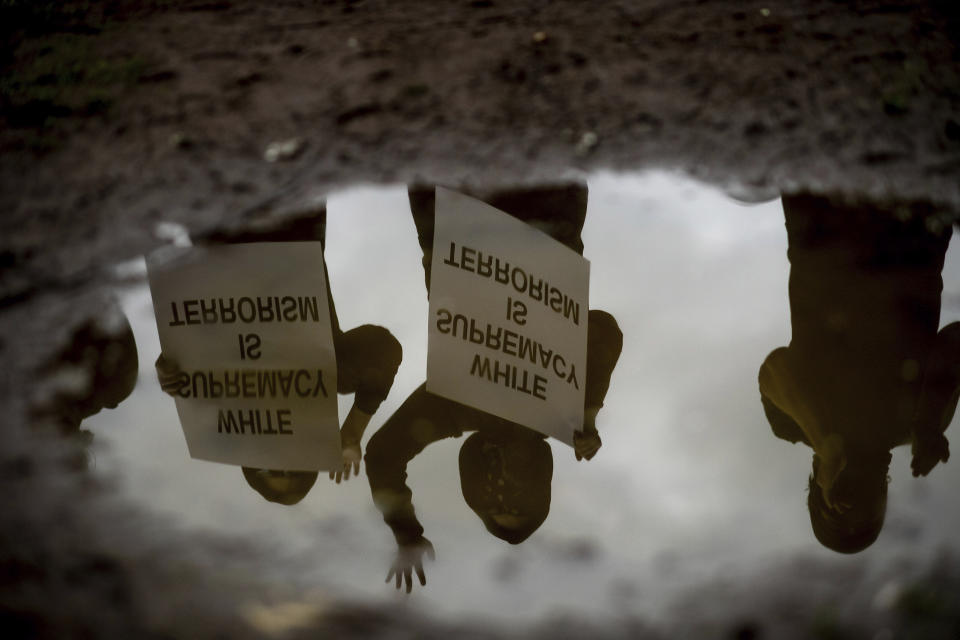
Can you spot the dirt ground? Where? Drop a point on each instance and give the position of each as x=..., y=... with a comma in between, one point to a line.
x=118, y=115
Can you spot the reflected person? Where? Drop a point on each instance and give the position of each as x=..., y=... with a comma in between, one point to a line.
x=95, y=369
x=367, y=357
x=506, y=469
x=866, y=369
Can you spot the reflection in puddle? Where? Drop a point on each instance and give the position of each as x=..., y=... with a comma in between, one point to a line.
x=96, y=369
x=866, y=369
x=688, y=486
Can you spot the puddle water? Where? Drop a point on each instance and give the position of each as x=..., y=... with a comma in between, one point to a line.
x=691, y=484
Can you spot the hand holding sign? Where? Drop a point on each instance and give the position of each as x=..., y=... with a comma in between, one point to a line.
x=170, y=376
x=586, y=444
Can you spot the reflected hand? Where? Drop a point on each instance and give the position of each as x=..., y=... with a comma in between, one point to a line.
x=171, y=378
x=409, y=559
x=833, y=460
x=928, y=450
x=586, y=443
x=352, y=455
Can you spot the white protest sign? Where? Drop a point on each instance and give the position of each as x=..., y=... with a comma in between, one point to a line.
x=249, y=324
x=508, y=318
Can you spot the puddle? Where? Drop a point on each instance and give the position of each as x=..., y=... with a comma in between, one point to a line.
x=690, y=486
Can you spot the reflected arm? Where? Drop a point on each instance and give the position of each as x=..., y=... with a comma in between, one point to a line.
x=938, y=402
x=780, y=386
x=422, y=419
x=604, y=344
x=368, y=358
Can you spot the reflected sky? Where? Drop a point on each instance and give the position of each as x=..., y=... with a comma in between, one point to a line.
x=690, y=483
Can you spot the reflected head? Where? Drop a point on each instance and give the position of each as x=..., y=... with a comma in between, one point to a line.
x=283, y=487
x=505, y=479
x=861, y=489
x=103, y=350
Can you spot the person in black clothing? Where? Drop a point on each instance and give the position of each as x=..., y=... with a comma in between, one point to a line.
x=368, y=358
x=866, y=369
x=506, y=469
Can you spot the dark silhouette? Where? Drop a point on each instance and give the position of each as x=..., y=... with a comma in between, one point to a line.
x=506, y=469
x=866, y=369
x=559, y=210
x=283, y=487
x=100, y=361
x=367, y=356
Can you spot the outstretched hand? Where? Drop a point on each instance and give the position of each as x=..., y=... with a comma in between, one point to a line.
x=352, y=455
x=171, y=378
x=409, y=559
x=927, y=452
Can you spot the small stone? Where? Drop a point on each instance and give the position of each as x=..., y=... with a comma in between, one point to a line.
x=587, y=142
x=173, y=233
x=283, y=150
x=952, y=130
x=353, y=43
x=888, y=595
x=539, y=37
x=179, y=140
